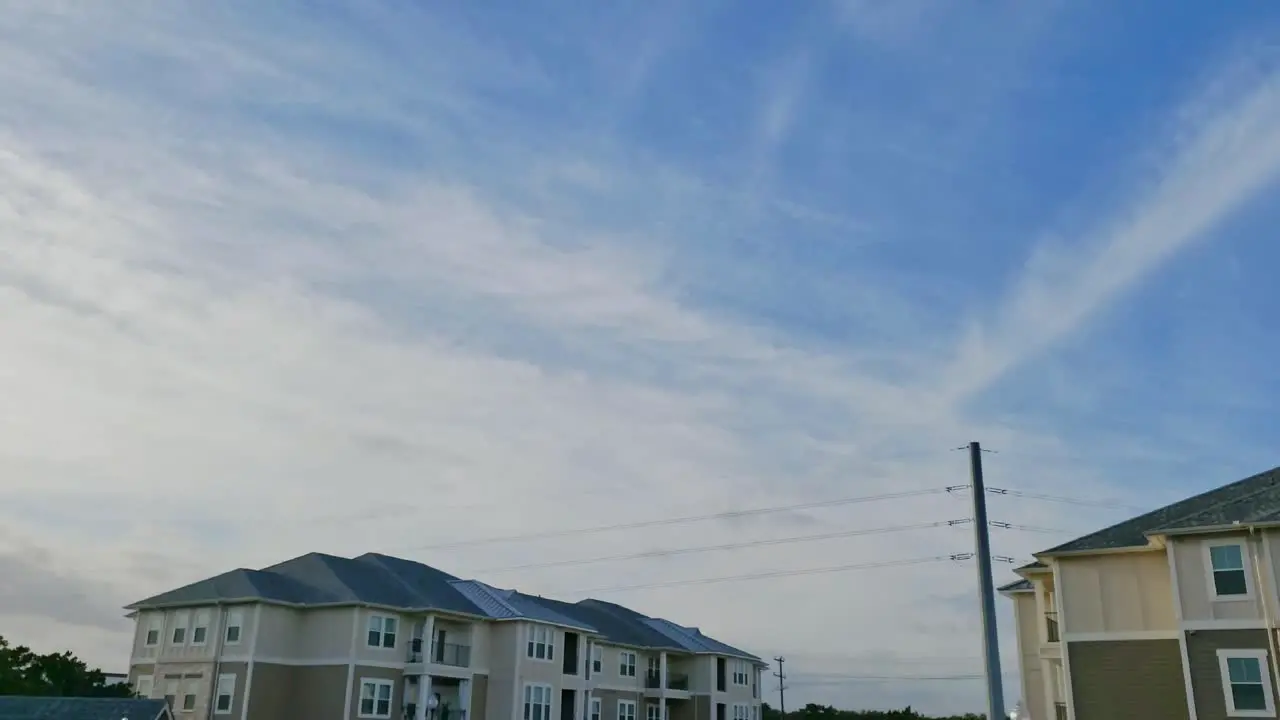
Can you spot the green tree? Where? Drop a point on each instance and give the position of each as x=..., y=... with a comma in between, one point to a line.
x=813, y=711
x=23, y=672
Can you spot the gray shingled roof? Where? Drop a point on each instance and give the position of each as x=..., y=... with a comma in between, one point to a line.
x=1016, y=586
x=16, y=707
x=375, y=579
x=1254, y=499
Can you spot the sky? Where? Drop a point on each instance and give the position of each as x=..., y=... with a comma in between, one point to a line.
x=371, y=276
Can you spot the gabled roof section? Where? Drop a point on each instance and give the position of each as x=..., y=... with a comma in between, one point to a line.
x=1018, y=586
x=19, y=707
x=510, y=604
x=659, y=633
x=1253, y=499
x=611, y=627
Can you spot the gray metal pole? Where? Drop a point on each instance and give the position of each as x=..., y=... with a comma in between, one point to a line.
x=986, y=587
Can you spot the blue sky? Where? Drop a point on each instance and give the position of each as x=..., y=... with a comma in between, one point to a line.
x=459, y=270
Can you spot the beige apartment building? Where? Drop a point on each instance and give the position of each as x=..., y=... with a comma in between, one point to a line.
x=1171, y=615
x=321, y=637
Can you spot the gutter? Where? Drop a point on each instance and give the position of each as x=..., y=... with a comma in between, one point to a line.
x=1266, y=603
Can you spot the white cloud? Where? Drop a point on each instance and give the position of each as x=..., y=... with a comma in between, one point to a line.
x=218, y=331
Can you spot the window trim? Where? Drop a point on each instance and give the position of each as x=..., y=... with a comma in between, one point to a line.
x=741, y=670
x=376, y=683
x=1264, y=671
x=154, y=625
x=740, y=711
x=200, y=621
x=533, y=641
x=385, y=620
x=627, y=704
x=652, y=711
x=596, y=710
x=180, y=622
x=235, y=619
x=526, y=699
x=224, y=687
x=1206, y=548
x=151, y=685
x=597, y=660
x=626, y=661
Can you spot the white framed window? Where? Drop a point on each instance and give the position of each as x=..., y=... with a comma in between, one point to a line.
x=1227, y=565
x=541, y=643
x=755, y=712
x=595, y=708
x=189, y=689
x=652, y=711
x=224, y=694
x=597, y=659
x=235, y=627
x=382, y=631
x=537, y=701
x=627, y=665
x=171, y=692
x=626, y=710
x=741, y=711
x=655, y=667
x=741, y=674
x=144, y=685
x=200, y=628
x=1246, y=683
x=375, y=698
x=179, y=634
x=152, y=637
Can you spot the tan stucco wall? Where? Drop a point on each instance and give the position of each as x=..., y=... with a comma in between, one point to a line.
x=1128, y=592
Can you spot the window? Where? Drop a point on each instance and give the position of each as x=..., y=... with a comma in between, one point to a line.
x=537, y=702
x=382, y=631
x=653, y=712
x=171, y=693
x=375, y=695
x=153, y=633
x=235, y=621
x=223, y=696
x=595, y=708
x=740, y=673
x=541, y=645
x=597, y=659
x=741, y=711
x=626, y=710
x=1227, y=569
x=179, y=636
x=755, y=712
x=627, y=666
x=200, y=632
x=144, y=685
x=1246, y=683
x=189, y=690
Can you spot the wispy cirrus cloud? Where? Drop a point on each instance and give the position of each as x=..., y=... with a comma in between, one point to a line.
x=266, y=268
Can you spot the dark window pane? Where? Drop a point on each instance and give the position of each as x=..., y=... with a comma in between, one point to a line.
x=224, y=702
x=1230, y=582
x=375, y=638
x=1249, y=697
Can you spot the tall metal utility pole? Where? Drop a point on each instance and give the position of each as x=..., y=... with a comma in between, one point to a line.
x=986, y=587
x=782, y=687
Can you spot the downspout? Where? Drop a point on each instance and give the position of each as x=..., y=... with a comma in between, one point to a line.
x=1266, y=605
x=217, y=661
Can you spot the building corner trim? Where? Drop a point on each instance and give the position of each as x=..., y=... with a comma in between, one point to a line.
x=1187, y=682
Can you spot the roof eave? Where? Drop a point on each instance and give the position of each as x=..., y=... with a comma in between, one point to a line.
x=1213, y=529
x=135, y=607
x=1153, y=544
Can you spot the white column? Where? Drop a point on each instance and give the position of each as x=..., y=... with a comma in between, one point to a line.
x=424, y=694
x=662, y=685
x=428, y=637
x=464, y=697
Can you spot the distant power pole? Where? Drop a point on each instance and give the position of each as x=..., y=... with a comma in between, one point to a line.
x=782, y=686
x=986, y=587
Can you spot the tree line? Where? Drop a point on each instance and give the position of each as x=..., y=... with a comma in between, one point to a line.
x=25, y=672
x=813, y=711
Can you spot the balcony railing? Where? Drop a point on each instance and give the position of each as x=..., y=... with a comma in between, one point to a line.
x=1051, y=627
x=1060, y=711
x=675, y=681
x=411, y=710
x=452, y=654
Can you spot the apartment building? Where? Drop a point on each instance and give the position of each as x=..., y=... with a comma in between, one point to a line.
x=1171, y=615
x=321, y=637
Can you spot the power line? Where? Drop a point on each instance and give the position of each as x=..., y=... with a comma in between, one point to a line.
x=1062, y=499
x=1027, y=528
x=775, y=574
x=730, y=546
x=679, y=520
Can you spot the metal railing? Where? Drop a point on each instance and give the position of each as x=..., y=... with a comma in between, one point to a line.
x=675, y=681
x=1051, y=627
x=452, y=654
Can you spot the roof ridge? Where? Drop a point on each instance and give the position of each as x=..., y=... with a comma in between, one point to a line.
x=404, y=583
x=492, y=593
x=1220, y=503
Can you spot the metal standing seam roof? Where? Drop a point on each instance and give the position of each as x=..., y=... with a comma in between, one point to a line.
x=17, y=707
x=376, y=579
x=1255, y=499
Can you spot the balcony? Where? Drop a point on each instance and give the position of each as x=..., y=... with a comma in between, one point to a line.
x=1051, y=627
x=451, y=654
x=675, y=681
